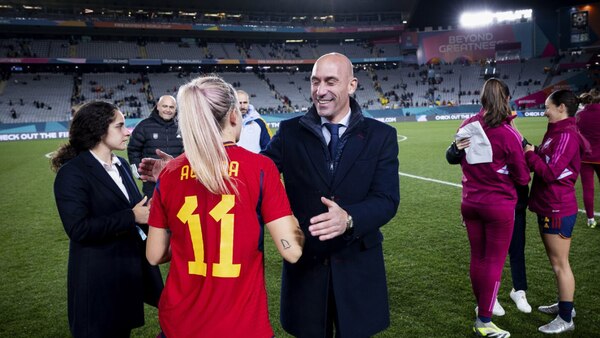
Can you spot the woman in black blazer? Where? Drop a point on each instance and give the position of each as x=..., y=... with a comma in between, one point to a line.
x=105, y=217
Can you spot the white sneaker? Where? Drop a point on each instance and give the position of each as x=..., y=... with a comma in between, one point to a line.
x=482, y=329
x=591, y=223
x=558, y=325
x=553, y=310
x=498, y=310
x=520, y=300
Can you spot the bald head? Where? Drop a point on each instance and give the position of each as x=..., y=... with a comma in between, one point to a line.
x=338, y=58
x=167, y=107
x=332, y=82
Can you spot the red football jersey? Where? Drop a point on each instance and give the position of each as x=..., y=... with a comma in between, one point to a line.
x=216, y=285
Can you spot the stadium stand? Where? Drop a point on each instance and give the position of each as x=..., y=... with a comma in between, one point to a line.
x=127, y=91
x=36, y=98
x=174, y=50
x=294, y=86
x=110, y=60
x=107, y=50
x=279, y=89
x=261, y=96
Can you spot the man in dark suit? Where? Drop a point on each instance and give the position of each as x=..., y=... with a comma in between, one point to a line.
x=341, y=176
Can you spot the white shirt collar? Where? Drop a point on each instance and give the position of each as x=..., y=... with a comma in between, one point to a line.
x=344, y=122
x=114, y=160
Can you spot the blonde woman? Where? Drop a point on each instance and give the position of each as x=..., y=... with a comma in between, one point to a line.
x=206, y=218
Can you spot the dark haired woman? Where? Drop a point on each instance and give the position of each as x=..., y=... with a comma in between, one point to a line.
x=516, y=251
x=101, y=210
x=492, y=166
x=556, y=163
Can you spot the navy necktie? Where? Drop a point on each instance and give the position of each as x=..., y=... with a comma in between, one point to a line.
x=334, y=130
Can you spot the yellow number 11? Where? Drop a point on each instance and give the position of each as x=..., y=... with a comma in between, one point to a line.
x=225, y=267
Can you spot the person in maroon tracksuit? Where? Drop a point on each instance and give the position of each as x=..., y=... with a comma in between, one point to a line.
x=489, y=196
x=588, y=122
x=556, y=163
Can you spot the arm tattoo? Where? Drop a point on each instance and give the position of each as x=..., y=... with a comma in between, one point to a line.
x=286, y=244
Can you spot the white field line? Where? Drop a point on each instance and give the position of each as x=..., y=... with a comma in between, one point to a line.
x=430, y=179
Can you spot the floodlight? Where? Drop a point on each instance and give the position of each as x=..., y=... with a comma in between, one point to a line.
x=476, y=19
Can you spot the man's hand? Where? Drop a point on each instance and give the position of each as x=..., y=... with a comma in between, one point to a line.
x=529, y=147
x=330, y=224
x=149, y=168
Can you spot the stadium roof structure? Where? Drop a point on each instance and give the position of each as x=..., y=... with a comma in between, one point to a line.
x=418, y=13
x=304, y=13
x=265, y=6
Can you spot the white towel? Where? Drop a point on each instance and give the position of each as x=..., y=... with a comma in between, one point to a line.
x=480, y=150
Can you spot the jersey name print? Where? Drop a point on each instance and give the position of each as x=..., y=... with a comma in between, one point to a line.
x=216, y=286
x=187, y=172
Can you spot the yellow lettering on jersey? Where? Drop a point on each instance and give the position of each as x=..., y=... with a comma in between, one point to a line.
x=225, y=266
x=186, y=215
x=185, y=172
x=234, y=168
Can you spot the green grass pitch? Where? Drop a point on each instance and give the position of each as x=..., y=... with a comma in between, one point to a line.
x=426, y=250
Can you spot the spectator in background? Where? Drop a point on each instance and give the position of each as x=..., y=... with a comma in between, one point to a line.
x=255, y=132
x=104, y=216
x=556, y=163
x=588, y=122
x=216, y=285
x=492, y=166
x=158, y=131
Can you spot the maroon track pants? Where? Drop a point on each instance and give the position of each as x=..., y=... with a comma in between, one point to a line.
x=490, y=230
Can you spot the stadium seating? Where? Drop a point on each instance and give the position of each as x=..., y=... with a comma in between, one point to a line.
x=272, y=88
x=124, y=90
x=53, y=90
x=107, y=50
x=174, y=50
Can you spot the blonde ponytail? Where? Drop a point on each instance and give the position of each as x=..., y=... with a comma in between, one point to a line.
x=204, y=105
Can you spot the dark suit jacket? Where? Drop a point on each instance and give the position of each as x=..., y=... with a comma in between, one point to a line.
x=366, y=185
x=107, y=265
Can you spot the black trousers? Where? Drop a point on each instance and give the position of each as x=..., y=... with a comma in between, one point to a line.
x=517, y=251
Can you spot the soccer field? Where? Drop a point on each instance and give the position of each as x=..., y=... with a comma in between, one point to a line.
x=426, y=249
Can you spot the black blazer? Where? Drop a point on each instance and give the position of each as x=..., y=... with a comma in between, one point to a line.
x=366, y=185
x=108, y=274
